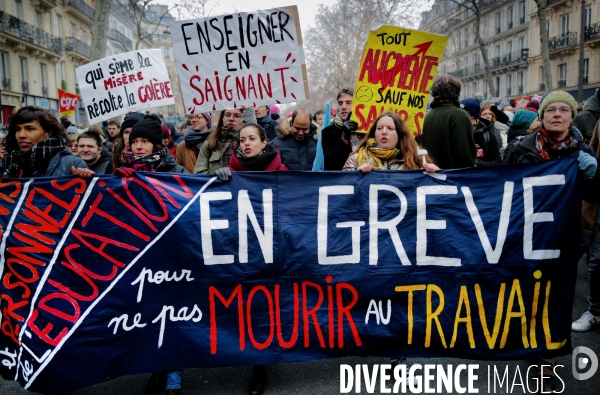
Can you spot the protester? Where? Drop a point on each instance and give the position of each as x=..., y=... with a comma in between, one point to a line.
x=187, y=153
x=339, y=137
x=184, y=128
x=524, y=122
x=92, y=152
x=508, y=108
x=263, y=118
x=389, y=145
x=123, y=138
x=36, y=147
x=556, y=138
x=167, y=141
x=487, y=147
x=297, y=142
x=69, y=127
x=216, y=150
x=499, y=129
x=579, y=108
x=591, y=224
x=587, y=120
x=319, y=117
x=447, y=132
x=73, y=143
x=175, y=136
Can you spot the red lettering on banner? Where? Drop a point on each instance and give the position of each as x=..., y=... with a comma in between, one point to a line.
x=44, y=333
x=345, y=310
x=294, y=336
x=237, y=293
x=161, y=187
x=266, y=343
x=43, y=305
x=312, y=312
x=126, y=184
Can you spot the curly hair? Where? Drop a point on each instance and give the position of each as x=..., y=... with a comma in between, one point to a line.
x=47, y=120
x=446, y=89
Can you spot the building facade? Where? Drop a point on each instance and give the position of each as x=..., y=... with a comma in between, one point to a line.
x=42, y=42
x=510, y=31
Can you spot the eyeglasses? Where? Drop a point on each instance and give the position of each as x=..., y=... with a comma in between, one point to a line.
x=196, y=116
x=234, y=116
x=562, y=110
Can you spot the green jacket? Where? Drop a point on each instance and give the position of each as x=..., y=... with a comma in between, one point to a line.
x=448, y=137
x=209, y=161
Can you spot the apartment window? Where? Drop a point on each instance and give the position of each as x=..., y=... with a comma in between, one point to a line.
x=548, y=27
x=564, y=23
x=586, y=69
x=522, y=11
x=486, y=27
x=521, y=83
x=83, y=36
x=73, y=29
x=562, y=75
x=498, y=86
x=497, y=51
x=466, y=37
x=44, y=79
x=509, y=17
x=167, y=53
x=498, y=21
x=509, y=47
x=59, y=31
x=509, y=85
x=18, y=6
x=63, y=72
x=4, y=66
x=588, y=16
x=521, y=43
x=23, y=69
x=38, y=19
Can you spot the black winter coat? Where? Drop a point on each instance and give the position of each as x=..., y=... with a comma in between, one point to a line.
x=336, y=150
x=269, y=125
x=103, y=165
x=297, y=155
x=485, y=140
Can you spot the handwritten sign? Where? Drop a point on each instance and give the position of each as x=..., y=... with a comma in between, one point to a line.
x=396, y=72
x=114, y=276
x=249, y=58
x=67, y=102
x=133, y=81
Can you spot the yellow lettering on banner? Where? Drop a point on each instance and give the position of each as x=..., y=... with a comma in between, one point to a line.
x=515, y=290
x=434, y=316
x=410, y=289
x=463, y=300
x=534, y=306
x=491, y=339
x=550, y=345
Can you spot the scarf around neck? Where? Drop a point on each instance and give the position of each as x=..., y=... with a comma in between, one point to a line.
x=144, y=163
x=33, y=162
x=548, y=147
x=372, y=153
x=258, y=162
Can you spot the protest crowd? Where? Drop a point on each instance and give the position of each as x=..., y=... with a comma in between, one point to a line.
x=456, y=134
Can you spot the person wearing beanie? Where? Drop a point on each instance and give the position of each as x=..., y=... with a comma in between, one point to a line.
x=122, y=139
x=447, y=131
x=479, y=97
x=556, y=138
x=523, y=123
x=500, y=129
x=166, y=139
x=487, y=147
x=586, y=120
x=216, y=150
x=187, y=153
x=533, y=104
x=263, y=117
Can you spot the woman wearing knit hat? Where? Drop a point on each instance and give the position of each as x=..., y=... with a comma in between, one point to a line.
x=216, y=150
x=123, y=138
x=523, y=123
x=146, y=151
x=447, y=132
x=556, y=138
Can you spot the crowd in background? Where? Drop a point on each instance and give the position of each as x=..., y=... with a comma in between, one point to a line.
x=472, y=132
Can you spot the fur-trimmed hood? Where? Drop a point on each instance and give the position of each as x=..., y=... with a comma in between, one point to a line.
x=284, y=130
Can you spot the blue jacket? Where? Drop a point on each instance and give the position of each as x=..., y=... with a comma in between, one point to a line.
x=60, y=164
x=296, y=155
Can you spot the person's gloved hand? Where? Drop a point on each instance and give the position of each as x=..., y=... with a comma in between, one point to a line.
x=348, y=127
x=124, y=171
x=587, y=164
x=223, y=173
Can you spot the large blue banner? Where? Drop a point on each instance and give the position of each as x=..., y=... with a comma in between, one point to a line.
x=114, y=276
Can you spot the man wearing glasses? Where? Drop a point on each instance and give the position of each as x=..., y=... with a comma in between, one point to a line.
x=556, y=138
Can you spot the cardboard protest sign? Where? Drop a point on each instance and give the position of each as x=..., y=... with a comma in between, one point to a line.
x=125, y=275
x=133, y=81
x=396, y=72
x=249, y=58
x=67, y=102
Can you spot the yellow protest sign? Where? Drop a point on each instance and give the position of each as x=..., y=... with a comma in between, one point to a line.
x=396, y=72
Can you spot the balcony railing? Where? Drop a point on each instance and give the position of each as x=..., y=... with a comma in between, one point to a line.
x=6, y=84
x=25, y=87
x=78, y=46
x=16, y=27
x=562, y=83
x=592, y=32
x=543, y=86
x=510, y=58
x=80, y=6
x=551, y=2
x=44, y=91
x=120, y=37
x=565, y=40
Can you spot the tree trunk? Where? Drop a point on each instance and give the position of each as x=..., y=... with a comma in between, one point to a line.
x=100, y=30
x=486, y=61
x=541, y=13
